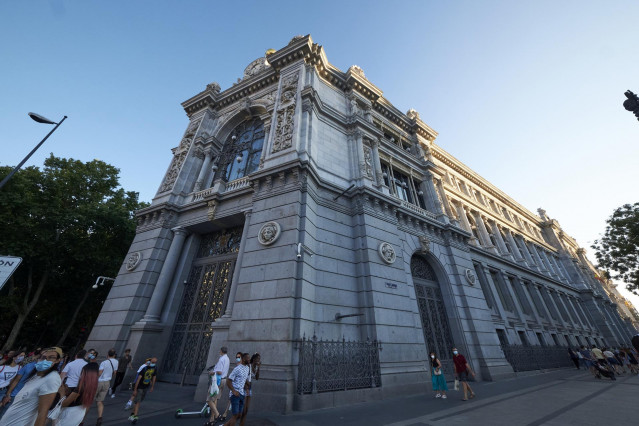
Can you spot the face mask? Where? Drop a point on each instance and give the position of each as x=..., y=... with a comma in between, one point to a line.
x=91, y=356
x=432, y=357
x=151, y=364
x=43, y=365
x=238, y=359
x=19, y=359
x=455, y=352
x=148, y=363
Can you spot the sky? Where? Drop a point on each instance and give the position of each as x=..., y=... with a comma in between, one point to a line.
x=528, y=94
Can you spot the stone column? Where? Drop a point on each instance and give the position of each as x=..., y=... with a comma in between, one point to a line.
x=513, y=244
x=500, y=241
x=589, y=320
x=154, y=310
x=379, y=179
x=203, y=171
x=361, y=160
x=430, y=195
x=524, y=249
x=461, y=213
x=483, y=233
x=237, y=269
x=575, y=309
x=535, y=253
x=551, y=267
x=570, y=317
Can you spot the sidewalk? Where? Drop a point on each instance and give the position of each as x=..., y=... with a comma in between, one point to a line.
x=564, y=397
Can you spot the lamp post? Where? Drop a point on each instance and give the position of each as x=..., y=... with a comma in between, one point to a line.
x=39, y=119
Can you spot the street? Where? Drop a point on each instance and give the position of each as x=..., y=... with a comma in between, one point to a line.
x=563, y=397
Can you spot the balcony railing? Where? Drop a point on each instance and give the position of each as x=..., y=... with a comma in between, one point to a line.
x=418, y=210
x=236, y=184
x=202, y=194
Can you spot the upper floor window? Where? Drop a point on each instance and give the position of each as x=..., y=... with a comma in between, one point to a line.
x=242, y=150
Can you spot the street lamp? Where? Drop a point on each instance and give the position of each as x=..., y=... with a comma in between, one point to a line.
x=100, y=281
x=39, y=119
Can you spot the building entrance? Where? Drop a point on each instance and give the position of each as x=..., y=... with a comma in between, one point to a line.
x=432, y=312
x=203, y=301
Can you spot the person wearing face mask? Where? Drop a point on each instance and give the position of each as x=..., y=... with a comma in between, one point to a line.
x=16, y=385
x=31, y=405
x=219, y=373
x=8, y=374
x=437, y=377
x=462, y=369
x=238, y=383
x=238, y=362
x=145, y=382
x=92, y=354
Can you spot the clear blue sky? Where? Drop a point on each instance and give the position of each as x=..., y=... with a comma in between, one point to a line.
x=527, y=93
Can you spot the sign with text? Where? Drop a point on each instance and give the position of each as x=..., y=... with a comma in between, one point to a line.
x=8, y=264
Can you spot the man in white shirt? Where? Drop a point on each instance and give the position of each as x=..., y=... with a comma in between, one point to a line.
x=221, y=369
x=72, y=371
x=107, y=371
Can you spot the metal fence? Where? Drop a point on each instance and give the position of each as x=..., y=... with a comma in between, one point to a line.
x=527, y=358
x=337, y=365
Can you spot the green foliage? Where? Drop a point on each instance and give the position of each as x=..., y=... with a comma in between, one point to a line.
x=618, y=250
x=70, y=222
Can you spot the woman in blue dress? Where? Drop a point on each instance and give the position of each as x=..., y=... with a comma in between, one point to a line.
x=437, y=376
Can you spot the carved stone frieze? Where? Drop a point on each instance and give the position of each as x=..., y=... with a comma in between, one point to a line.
x=285, y=114
x=174, y=171
x=387, y=252
x=133, y=260
x=368, y=162
x=212, y=207
x=162, y=218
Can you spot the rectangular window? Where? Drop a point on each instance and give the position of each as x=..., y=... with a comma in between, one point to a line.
x=568, y=340
x=540, y=337
x=504, y=295
x=534, y=295
x=501, y=334
x=386, y=175
x=523, y=338
x=485, y=288
x=520, y=295
x=402, y=187
x=551, y=306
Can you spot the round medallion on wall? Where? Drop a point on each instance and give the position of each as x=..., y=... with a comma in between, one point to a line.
x=387, y=252
x=133, y=260
x=269, y=233
x=470, y=276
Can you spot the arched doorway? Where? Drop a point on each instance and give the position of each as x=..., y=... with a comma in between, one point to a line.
x=432, y=312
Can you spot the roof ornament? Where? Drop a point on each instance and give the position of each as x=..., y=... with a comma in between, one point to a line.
x=355, y=69
x=213, y=87
x=296, y=38
x=412, y=114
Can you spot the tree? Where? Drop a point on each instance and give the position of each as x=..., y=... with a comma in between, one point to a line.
x=70, y=222
x=618, y=250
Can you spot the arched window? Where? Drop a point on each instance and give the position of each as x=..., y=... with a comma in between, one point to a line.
x=242, y=150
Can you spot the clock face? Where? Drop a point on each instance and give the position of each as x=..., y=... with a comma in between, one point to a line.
x=255, y=67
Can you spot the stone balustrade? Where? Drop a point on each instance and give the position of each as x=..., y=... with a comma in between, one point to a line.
x=418, y=210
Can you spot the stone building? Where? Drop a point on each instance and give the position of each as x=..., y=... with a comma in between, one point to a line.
x=304, y=217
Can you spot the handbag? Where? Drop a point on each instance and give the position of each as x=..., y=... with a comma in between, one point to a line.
x=214, y=390
x=437, y=371
x=456, y=384
x=54, y=413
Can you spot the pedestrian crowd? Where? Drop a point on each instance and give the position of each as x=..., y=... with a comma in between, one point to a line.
x=239, y=381
x=605, y=362
x=47, y=387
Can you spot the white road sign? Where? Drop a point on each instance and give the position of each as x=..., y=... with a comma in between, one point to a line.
x=8, y=264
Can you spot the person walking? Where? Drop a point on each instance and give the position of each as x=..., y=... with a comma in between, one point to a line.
x=76, y=405
x=635, y=342
x=16, y=384
x=574, y=357
x=612, y=361
x=254, y=364
x=129, y=403
x=218, y=373
x=107, y=370
x=589, y=361
x=144, y=383
x=238, y=382
x=462, y=369
x=7, y=372
x=437, y=376
x=31, y=405
x=71, y=372
x=599, y=356
x=238, y=361
x=124, y=362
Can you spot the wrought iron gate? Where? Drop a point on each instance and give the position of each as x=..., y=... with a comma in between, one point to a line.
x=432, y=312
x=204, y=300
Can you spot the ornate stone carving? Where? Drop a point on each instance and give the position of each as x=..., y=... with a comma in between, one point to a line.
x=212, y=205
x=412, y=114
x=133, y=260
x=368, y=162
x=256, y=67
x=357, y=70
x=296, y=38
x=185, y=143
x=354, y=107
x=174, y=171
x=387, y=252
x=213, y=87
x=424, y=244
x=269, y=233
x=285, y=114
x=470, y=276
x=284, y=129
